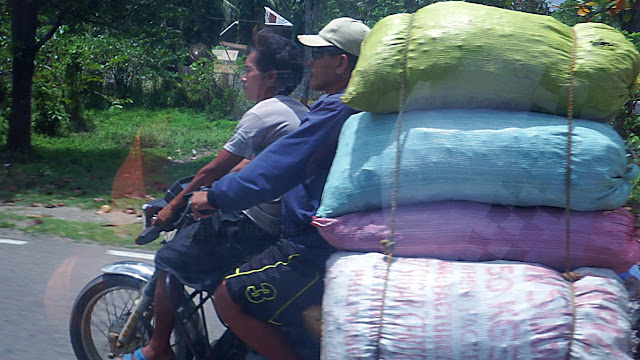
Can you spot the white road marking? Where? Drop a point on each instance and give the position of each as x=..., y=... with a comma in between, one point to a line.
x=13, y=242
x=131, y=254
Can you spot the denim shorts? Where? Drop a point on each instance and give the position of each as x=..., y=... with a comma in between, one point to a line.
x=201, y=254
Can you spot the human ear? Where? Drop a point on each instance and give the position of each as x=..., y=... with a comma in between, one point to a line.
x=270, y=75
x=269, y=78
x=343, y=64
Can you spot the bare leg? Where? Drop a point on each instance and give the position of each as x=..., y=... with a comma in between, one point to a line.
x=158, y=347
x=260, y=336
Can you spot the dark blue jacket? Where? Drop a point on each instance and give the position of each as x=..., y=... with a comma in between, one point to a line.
x=295, y=168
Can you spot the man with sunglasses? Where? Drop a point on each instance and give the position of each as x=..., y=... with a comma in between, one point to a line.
x=275, y=287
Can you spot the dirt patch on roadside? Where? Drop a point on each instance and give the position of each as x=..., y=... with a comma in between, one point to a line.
x=115, y=216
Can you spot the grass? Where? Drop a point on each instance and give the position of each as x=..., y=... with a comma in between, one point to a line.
x=80, y=170
x=633, y=202
x=8, y=221
x=103, y=166
x=102, y=234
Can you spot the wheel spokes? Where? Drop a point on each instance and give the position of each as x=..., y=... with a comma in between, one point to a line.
x=109, y=313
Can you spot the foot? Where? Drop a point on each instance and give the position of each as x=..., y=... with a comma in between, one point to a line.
x=136, y=355
x=145, y=354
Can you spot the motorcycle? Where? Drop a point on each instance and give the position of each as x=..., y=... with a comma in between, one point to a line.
x=113, y=314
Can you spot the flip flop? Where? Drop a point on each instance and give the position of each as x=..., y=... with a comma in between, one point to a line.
x=137, y=355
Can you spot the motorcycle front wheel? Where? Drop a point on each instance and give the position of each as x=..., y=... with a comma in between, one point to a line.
x=102, y=307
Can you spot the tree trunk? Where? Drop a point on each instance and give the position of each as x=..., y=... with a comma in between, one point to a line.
x=74, y=107
x=633, y=25
x=310, y=21
x=24, y=23
x=251, y=13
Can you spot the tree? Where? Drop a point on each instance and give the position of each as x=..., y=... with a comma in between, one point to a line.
x=24, y=24
x=371, y=11
x=33, y=22
x=622, y=14
x=5, y=66
x=531, y=6
x=251, y=14
x=310, y=24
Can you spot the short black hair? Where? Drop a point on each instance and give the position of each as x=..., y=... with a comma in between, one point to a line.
x=274, y=52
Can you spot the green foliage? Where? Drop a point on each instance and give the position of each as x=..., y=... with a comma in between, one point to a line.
x=121, y=70
x=627, y=123
x=80, y=167
x=174, y=24
x=567, y=13
x=209, y=89
x=617, y=13
x=48, y=114
x=102, y=72
x=159, y=31
x=530, y=6
x=251, y=12
x=200, y=84
x=371, y=11
x=5, y=71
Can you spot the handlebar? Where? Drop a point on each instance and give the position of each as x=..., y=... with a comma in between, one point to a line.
x=148, y=235
x=152, y=232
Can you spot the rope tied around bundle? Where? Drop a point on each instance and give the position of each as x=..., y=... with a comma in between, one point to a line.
x=389, y=244
x=568, y=275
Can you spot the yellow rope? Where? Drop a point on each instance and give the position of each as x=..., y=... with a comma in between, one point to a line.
x=389, y=243
x=568, y=275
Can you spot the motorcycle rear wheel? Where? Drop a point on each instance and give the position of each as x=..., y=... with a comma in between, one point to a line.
x=104, y=305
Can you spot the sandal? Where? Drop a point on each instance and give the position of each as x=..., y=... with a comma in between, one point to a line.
x=136, y=355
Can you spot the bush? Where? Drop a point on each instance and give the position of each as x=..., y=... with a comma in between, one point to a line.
x=219, y=94
x=77, y=71
x=48, y=114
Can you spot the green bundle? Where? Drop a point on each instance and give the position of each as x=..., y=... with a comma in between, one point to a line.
x=464, y=55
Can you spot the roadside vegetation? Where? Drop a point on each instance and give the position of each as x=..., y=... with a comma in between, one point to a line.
x=80, y=169
x=112, y=87
x=84, y=169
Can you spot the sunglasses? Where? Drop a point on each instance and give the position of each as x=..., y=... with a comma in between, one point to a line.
x=318, y=53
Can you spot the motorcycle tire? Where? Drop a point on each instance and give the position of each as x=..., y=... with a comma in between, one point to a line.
x=106, y=302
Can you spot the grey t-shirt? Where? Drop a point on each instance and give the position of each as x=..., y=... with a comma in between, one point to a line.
x=261, y=125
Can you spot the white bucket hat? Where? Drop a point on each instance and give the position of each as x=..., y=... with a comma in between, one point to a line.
x=345, y=33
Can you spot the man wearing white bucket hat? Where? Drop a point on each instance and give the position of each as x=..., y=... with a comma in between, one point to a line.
x=275, y=287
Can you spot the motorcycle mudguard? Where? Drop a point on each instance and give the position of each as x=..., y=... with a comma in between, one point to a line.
x=135, y=269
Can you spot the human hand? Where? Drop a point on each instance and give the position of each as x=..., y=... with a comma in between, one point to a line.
x=165, y=217
x=199, y=204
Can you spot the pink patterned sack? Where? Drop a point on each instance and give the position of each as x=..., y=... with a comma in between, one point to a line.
x=434, y=309
x=458, y=230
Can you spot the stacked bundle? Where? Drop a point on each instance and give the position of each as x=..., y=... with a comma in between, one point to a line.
x=481, y=185
x=435, y=309
x=476, y=163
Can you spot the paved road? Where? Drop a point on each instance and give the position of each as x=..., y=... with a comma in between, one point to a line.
x=39, y=280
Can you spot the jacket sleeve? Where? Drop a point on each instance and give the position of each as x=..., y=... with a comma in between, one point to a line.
x=283, y=164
